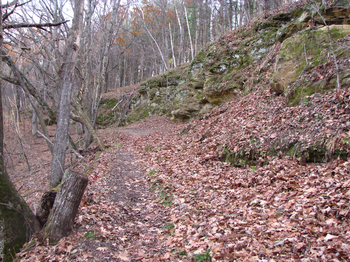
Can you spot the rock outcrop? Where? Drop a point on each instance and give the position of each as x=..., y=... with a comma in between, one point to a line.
x=245, y=60
x=306, y=50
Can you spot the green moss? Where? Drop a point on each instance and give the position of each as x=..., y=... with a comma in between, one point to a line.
x=265, y=25
x=108, y=103
x=300, y=93
x=138, y=114
x=202, y=257
x=106, y=119
x=166, y=198
x=200, y=96
x=250, y=155
x=16, y=218
x=315, y=42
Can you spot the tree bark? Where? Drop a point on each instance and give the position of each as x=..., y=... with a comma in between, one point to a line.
x=189, y=32
x=83, y=119
x=65, y=207
x=85, y=97
x=34, y=123
x=66, y=82
x=211, y=25
x=154, y=40
x=181, y=35
x=172, y=47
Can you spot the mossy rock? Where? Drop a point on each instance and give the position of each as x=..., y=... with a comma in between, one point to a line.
x=339, y=14
x=303, y=90
x=108, y=103
x=315, y=153
x=291, y=60
x=266, y=24
x=295, y=26
x=215, y=69
x=106, y=116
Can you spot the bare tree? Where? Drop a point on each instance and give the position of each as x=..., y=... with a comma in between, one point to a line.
x=189, y=32
x=212, y=7
x=153, y=39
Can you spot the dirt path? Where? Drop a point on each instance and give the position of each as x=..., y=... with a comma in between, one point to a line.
x=120, y=218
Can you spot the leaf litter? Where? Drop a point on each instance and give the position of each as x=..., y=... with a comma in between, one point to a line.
x=160, y=192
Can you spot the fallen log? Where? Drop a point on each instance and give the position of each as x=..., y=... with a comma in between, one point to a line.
x=64, y=210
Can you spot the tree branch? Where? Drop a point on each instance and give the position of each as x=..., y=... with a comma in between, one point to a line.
x=15, y=5
x=9, y=4
x=22, y=25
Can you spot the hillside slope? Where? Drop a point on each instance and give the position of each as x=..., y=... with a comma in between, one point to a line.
x=289, y=53
x=289, y=50
x=258, y=173
x=279, y=209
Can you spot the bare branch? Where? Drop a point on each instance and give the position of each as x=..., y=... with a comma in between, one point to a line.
x=15, y=4
x=25, y=84
x=47, y=139
x=22, y=25
x=9, y=4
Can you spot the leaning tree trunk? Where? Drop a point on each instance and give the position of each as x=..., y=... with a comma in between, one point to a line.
x=65, y=82
x=65, y=207
x=17, y=221
x=34, y=123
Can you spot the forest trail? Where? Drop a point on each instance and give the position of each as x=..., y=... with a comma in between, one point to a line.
x=120, y=217
x=160, y=192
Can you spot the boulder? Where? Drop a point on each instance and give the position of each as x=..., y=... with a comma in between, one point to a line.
x=295, y=26
x=192, y=104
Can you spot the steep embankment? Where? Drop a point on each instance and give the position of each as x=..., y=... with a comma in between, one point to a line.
x=261, y=172
x=279, y=208
x=288, y=52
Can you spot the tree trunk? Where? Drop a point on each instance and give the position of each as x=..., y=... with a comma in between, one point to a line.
x=189, y=31
x=181, y=35
x=103, y=67
x=211, y=25
x=83, y=119
x=65, y=207
x=34, y=123
x=18, y=104
x=172, y=47
x=17, y=221
x=66, y=82
x=86, y=93
x=153, y=39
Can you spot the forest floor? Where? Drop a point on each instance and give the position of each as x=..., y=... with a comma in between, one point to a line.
x=120, y=217
x=160, y=193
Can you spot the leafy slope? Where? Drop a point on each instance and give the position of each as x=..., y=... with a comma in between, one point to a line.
x=201, y=207
x=282, y=210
